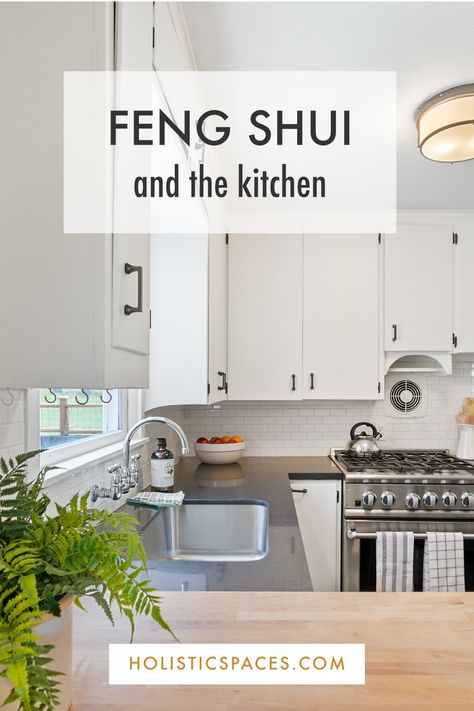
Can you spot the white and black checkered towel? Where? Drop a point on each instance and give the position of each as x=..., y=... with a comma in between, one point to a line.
x=443, y=563
x=394, y=558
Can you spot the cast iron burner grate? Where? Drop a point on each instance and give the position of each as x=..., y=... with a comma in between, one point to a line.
x=405, y=462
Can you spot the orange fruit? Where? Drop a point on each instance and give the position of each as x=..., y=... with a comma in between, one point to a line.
x=235, y=440
x=226, y=439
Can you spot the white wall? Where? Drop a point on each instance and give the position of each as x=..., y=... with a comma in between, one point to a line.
x=313, y=428
x=12, y=424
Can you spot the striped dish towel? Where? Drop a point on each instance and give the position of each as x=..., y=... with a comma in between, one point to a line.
x=394, y=557
x=443, y=562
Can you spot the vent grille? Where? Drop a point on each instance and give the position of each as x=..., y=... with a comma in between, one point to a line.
x=405, y=396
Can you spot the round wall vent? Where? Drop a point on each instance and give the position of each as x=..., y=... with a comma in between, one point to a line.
x=406, y=397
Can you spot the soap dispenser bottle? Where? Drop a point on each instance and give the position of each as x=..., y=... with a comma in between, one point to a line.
x=162, y=468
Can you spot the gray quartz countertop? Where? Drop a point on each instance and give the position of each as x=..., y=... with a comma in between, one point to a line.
x=264, y=478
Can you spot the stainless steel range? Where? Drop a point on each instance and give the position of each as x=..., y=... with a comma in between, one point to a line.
x=400, y=490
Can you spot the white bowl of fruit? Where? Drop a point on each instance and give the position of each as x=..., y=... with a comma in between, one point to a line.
x=219, y=450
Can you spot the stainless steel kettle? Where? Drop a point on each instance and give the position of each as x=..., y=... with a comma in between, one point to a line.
x=363, y=444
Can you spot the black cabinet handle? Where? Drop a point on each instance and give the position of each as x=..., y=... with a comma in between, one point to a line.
x=395, y=332
x=223, y=385
x=299, y=491
x=311, y=381
x=293, y=382
x=131, y=269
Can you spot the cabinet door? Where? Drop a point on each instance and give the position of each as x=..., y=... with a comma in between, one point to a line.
x=134, y=45
x=318, y=508
x=178, y=337
x=217, y=317
x=419, y=289
x=463, y=314
x=341, y=334
x=131, y=293
x=265, y=317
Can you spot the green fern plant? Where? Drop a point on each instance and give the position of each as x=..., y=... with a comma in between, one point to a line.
x=77, y=552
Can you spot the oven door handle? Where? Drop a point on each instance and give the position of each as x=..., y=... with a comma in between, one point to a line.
x=352, y=534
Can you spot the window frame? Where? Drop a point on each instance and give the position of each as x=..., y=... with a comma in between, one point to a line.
x=133, y=411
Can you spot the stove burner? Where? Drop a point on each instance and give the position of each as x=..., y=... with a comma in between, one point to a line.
x=405, y=462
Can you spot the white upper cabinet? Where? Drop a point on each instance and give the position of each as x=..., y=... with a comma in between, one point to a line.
x=188, y=343
x=172, y=50
x=218, y=376
x=178, y=337
x=64, y=296
x=341, y=317
x=130, y=293
x=304, y=317
x=419, y=289
x=463, y=292
x=265, y=317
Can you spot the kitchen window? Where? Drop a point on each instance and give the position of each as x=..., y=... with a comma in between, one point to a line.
x=69, y=423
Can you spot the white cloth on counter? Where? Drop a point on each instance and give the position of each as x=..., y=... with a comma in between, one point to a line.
x=443, y=562
x=394, y=558
x=158, y=499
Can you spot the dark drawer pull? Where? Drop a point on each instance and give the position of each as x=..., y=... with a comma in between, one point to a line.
x=395, y=332
x=293, y=382
x=299, y=491
x=223, y=385
x=311, y=380
x=131, y=269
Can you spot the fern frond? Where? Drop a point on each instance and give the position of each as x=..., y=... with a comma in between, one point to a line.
x=77, y=552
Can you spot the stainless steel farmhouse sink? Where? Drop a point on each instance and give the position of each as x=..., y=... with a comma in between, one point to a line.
x=209, y=531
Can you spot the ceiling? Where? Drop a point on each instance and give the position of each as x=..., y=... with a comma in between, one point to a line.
x=429, y=44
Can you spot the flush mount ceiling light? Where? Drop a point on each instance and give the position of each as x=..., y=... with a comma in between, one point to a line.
x=445, y=125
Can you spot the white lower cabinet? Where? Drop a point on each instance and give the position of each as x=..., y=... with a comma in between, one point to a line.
x=318, y=507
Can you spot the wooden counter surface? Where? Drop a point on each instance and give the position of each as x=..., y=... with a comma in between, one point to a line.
x=419, y=650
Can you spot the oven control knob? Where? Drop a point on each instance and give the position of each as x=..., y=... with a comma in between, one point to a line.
x=430, y=499
x=387, y=499
x=413, y=501
x=449, y=499
x=467, y=500
x=369, y=499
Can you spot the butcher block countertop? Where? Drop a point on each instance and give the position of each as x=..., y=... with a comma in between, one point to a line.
x=419, y=650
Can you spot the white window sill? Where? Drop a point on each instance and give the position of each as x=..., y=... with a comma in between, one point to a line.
x=73, y=465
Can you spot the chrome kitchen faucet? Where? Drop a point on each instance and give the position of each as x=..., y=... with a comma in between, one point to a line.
x=124, y=477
